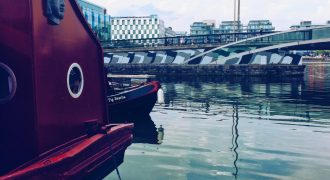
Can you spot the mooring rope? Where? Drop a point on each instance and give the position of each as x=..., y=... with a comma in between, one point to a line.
x=114, y=161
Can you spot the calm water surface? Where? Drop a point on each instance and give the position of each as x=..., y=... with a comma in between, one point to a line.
x=236, y=129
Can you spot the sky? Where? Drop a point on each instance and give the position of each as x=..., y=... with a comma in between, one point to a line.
x=180, y=14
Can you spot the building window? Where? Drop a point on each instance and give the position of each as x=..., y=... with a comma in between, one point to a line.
x=75, y=80
x=8, y=84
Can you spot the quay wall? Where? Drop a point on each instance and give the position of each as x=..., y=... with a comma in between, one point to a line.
x=207, y=70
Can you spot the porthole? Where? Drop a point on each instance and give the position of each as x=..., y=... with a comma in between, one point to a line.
x=75, y=80
x=8, y=84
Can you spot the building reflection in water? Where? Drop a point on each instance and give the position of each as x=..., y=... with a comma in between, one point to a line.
x=267, y=98
x=145, y=131
x=235, y=136
x=316, y=76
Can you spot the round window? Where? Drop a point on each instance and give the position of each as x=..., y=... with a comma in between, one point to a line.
x=75, y=80
x=7, y=84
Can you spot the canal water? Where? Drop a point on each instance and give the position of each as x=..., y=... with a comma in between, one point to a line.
x=235, y=128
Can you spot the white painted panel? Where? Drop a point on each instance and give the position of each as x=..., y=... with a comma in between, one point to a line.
x=275, y=58
x=206, y=60
x=256, y=59
x=178, y=60
x=106, y=60
x=287, y=60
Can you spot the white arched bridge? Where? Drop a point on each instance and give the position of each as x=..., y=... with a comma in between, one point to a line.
x=274, y=48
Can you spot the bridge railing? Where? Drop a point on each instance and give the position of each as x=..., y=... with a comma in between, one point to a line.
x=180, y=40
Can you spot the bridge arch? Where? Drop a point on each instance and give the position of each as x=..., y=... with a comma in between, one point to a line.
x=240, y=52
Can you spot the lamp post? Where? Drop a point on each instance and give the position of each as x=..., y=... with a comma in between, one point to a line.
x=238, y=15
x=234, y=23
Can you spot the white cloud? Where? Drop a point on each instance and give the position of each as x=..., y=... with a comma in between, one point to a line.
x=180, y=14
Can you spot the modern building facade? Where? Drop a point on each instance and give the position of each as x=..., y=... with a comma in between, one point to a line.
x=209, y=27
x=303, y=24
x=210, y=22
x=231, y=27
x=260, y=26
x=181, y=33
x=306, y=24
x=200, y=28
x=137, y=27
x=97, y=18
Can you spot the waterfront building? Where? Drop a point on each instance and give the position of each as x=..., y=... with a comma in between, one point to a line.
x=231, y=27
x=208, y=27
x=304, y=25
x=181, y=33
x=169, y=32
x=97, y=18
x=137, y=27
x=200, y=28
x=328, y=22
x=210, y=22
x=260, y=26
x=216, y=30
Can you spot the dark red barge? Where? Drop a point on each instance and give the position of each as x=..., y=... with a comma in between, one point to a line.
x=53, y=108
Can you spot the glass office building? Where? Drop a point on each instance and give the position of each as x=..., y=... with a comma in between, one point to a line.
x=260, y=26
x=208, y=27
x=200, y=28
x=304, y=25
x=97, y=18
x=231, y=27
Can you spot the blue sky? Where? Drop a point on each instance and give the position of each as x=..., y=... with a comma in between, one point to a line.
x=180, y=14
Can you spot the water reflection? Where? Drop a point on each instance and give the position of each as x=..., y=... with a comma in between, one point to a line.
x=236, y=128
x=145, y=131
x=286, y=96
x=235, y=138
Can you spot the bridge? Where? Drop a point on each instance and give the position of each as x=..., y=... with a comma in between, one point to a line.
x=179, y=42
x=251, y=48
x=279, y=48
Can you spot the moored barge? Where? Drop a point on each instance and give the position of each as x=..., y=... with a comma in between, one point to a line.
x=53, y=109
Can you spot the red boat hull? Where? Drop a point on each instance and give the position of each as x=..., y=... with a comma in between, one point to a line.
x=85, y=157
x=42, y=132
x=138, y=102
